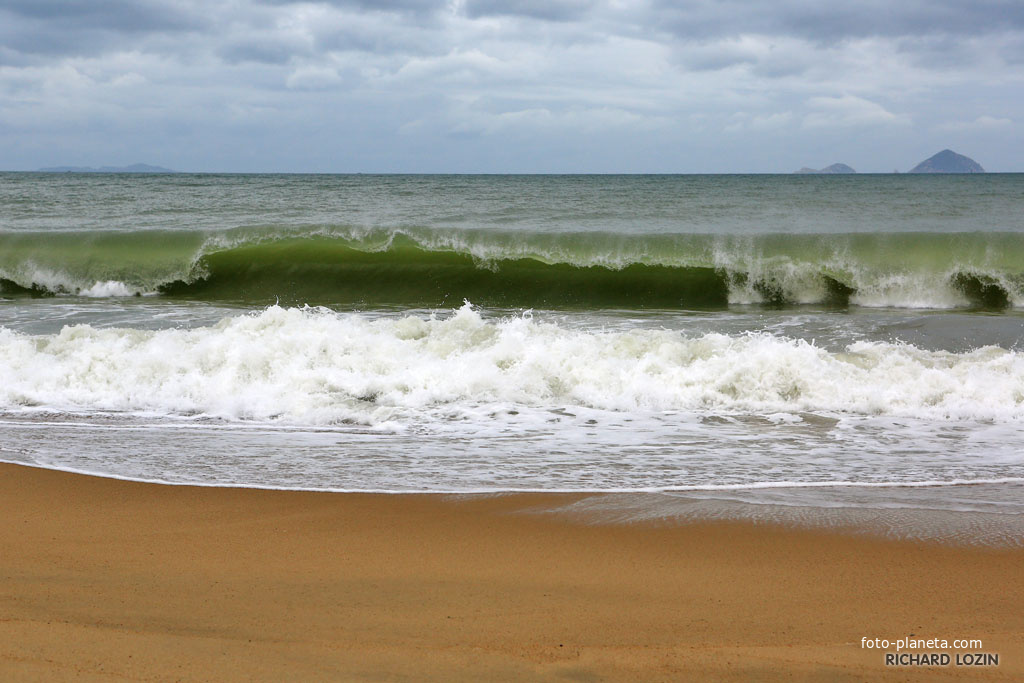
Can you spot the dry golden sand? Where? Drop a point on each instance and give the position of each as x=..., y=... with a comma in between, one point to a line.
x=112, y=580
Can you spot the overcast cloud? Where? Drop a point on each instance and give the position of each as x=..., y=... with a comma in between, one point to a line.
x=510, y=85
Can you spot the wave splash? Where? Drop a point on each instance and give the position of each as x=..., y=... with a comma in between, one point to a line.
x=317, y=367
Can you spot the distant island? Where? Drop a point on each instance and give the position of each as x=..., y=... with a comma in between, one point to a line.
x=948, y=161
x=834, y=168
x=134, y=168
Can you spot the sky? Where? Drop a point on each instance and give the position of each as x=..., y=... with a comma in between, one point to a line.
x=510, y=86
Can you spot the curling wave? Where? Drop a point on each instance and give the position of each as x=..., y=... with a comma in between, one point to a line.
x=433, y=267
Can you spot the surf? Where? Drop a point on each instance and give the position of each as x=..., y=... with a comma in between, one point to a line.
x=431, y=267
x=316, y=366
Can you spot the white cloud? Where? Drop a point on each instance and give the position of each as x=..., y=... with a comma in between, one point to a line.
x=128, y=80
x=848, y=110
x=313, y=78
x=771, y=121
x=589, y=121
x=458, y=65
x=742, y=121
x=981, y=123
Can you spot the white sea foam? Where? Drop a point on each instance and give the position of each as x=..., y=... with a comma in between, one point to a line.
x=109, y=288
x=312, y=366
x=33, y=274
x=906, y=290
x=802, y=283
x=59, y=282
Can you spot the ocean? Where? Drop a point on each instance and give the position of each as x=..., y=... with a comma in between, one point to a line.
x=798, y=340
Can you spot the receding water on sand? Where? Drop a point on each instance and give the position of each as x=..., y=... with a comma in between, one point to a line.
x=978, y=514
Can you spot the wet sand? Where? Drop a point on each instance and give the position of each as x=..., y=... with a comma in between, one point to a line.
x=110, y=580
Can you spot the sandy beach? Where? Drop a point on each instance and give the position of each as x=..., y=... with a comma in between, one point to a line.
x=112, y=580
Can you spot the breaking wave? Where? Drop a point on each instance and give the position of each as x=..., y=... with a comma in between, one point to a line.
x=435, y=267
x=314, y=366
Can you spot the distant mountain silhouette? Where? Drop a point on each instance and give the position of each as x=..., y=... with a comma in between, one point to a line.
x=948, y=161
x=834, y=168
x=134, y=168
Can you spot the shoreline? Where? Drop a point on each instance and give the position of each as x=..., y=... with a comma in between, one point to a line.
x=112, y=578
x=869, y=509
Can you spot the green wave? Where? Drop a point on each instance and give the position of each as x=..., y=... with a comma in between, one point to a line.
x=326, y=271
x=429, y=267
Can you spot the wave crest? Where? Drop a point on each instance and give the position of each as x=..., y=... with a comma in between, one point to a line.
x=432, y=267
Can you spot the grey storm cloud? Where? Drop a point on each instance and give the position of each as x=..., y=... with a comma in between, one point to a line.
x=407, y=6
x=549, y=10
x=266, y=51
x=120, y=16
x=505, y=84
x=88, y=27
x=68, y=27
x=832, y=21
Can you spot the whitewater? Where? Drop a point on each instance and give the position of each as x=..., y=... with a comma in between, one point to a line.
x=318, y=367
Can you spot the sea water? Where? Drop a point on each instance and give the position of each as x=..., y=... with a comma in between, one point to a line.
x=797, y=336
